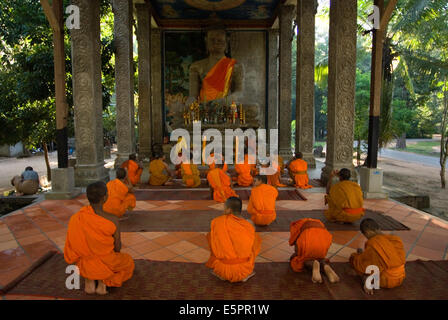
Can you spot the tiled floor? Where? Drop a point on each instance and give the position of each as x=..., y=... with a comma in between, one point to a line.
x=27, y=234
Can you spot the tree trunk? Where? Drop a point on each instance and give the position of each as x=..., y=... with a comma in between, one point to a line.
x=444, y=138
x=358, y=152
x=47, y=162
x=401, y=141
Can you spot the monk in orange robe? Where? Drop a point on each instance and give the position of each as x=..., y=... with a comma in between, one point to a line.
x=120, y=195
x=220, y=184
x=133, y=168
x=190, y=173
x=297, y=171
x=211, y=160
x=157, y=167
x=261, y=205
x=345, y=199
x=381, y=250
x=233, y=243
x=93, y=243
x=245, y=171
x=311, y=242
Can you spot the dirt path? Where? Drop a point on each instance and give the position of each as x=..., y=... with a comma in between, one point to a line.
x=418, y=179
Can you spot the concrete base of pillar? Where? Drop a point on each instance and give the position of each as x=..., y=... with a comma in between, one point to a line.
x=286, y=154
x=63, y=184
x=326, y=171
x=309, y=158
x=86, y=174
x=371, y=181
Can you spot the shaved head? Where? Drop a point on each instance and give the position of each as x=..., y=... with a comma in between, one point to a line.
x=234, y=204
x=96, y=192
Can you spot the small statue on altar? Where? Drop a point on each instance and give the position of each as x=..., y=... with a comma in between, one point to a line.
x=234, y=111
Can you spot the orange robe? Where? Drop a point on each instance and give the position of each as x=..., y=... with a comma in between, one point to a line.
x=312, y=240
x=345, y=202
x=90, y=244
x=274, y=179
x=157, y=177
x=387, y=253
x=119, y=199
x=234, y=246
x=220, y=182
x=262, y=204
x=297, y=171
x=245, y=171
x=134, y=171
x=190, y=175
x=216, y=83
x=211, y=163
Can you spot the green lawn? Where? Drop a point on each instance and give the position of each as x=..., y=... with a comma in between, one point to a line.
x=424, y=148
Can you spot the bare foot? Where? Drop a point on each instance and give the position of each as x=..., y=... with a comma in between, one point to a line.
x=368, y=291
x=332, y=276
x=317, y=278
x=89, y=286
x=248, y=277
x=101, y=289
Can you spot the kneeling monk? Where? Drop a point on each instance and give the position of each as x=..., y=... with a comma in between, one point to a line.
x=381, y=250
x=220, y=184
x=311, y=242
x=120, y=197
x=190, y=173
x=261, y=205
x=134, y=169
x=274, y=179
x=245, y=171
x=233, y=244
x=93, y=242
x=156, y=171
x=344, y=199
x=298, y=172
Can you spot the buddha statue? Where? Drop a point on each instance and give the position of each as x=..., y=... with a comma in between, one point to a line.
x=217, y=76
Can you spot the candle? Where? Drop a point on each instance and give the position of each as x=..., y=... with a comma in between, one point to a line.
x=203, y=149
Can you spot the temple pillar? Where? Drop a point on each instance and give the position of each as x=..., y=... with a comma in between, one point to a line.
x=273, y=80
x=305, y=80
x=285, y=114
x=144, y=80
x=87, y=95
x=341, y=87
x=124, y=79
x=156, y=86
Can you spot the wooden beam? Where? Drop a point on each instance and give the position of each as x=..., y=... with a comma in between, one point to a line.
x=385, y=16
x=51, y=17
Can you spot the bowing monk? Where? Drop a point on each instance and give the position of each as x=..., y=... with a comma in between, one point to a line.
x=220, y=184
x=120, y=195
x=274, y=179
x=344, y=199
x=311, y=242
x=261, y=205
x=93, y=243
x=233, y=243
x=190, y=173
x=212, y=159
x=245, y=170
x=134, y=169
x=381, y=250
x=156, y=170
x=297, y=171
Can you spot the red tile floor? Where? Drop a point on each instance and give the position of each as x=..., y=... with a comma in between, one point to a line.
x=27, y=234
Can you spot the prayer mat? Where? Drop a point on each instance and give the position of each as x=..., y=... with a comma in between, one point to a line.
x=195, y=194
x=156, y=280
x=199, y=221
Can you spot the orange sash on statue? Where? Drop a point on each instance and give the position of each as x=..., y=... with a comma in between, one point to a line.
x=217, y=81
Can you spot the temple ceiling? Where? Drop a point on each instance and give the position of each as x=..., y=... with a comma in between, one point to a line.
x=200, y=13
